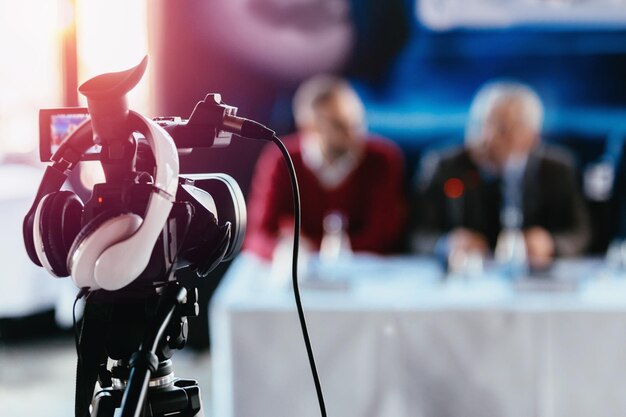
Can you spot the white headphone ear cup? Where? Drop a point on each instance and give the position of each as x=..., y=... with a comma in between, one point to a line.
x=102, y=232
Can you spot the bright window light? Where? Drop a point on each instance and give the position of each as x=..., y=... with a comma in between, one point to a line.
x=30, y=76
x=113, y=36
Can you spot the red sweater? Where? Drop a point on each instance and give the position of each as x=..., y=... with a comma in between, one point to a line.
x=371, y=198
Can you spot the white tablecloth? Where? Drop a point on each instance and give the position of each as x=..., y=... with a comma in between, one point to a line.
x=396, y=340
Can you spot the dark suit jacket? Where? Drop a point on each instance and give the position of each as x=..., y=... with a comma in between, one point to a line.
x=551, y=199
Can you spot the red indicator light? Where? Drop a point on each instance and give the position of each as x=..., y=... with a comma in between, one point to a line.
x=453, y=188
x=100, y=200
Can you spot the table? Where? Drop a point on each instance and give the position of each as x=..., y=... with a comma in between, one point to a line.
x=395, y=339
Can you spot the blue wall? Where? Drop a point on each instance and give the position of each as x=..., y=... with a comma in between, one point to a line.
x=423, y=81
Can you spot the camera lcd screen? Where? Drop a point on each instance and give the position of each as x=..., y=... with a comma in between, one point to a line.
x=55, y=125
x=61, y=125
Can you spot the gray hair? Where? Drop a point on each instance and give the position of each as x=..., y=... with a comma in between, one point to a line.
x=318, y=89
x=495, y=93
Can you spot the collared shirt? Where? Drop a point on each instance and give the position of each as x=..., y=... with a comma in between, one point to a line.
x=512, y=193
x=329, y=174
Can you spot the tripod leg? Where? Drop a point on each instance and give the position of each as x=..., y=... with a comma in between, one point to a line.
x=91, y=355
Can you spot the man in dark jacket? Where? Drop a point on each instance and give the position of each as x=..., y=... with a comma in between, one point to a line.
x=503, y=177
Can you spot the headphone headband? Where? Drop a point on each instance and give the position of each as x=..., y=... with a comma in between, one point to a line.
x=165, y=153
x=122, y=262
x=64, y=160
x=71, y=150
x=112, y=265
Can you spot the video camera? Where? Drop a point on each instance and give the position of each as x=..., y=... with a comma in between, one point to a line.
x=139, y=227
x=205, y=224
x=124, y=245
x=208, y=194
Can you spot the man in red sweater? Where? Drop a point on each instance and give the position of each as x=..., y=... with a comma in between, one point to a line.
x=340, y=168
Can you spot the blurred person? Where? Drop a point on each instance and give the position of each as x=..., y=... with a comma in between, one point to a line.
x=614, y=218
x=618, y=197
x=348, y=178
x=502, y=177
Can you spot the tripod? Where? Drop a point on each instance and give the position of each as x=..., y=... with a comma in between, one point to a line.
x=144, y=385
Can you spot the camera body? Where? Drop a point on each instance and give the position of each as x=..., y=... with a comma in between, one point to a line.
x=201, y=130
x=205, y=203
x=139, y=157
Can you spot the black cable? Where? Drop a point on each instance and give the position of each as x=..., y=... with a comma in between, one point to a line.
x=81, y=294
x=296, y=289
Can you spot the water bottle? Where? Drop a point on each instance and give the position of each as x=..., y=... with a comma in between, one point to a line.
x=335, y=245
x=510, y=251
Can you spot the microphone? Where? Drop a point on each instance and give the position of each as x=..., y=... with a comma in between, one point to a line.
x=212, y=123
x=246, y=128
x=454, y=191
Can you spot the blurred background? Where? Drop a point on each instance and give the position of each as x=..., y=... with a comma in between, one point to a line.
x=416, y=65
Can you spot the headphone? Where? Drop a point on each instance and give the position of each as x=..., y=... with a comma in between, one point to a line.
x=113, y=248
